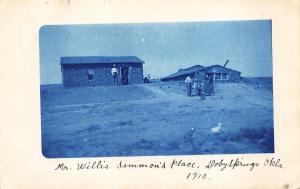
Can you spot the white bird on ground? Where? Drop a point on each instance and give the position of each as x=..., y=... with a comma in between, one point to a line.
x=216, y=129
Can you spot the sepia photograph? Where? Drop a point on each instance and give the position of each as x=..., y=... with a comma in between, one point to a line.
x=156, y=89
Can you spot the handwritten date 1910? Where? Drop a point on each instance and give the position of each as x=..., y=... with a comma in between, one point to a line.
x=197, y=176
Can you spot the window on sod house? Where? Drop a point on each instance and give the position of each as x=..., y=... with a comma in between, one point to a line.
x=217, y=76
x=224, y=76
x=90, y=74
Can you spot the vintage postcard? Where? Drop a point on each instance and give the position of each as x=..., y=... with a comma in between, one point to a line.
x=150, y=94
x=187, y=88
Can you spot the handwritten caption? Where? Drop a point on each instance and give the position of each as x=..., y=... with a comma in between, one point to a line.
x=196, y=171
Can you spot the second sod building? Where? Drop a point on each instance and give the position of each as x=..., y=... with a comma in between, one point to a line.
x=217, y=73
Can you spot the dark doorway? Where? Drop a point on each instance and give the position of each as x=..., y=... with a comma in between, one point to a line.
x=124, y=74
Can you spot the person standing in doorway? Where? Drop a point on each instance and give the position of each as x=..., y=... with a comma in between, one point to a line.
x=114, y=73
x=188, y=82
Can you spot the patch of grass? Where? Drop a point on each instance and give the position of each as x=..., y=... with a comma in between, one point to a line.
x=145, y=120
x=125, y=122
x=245, y=140
x=181, y=112
x=173, y=145
x=93, y=127
x=255, y=139
x=184, y=105
x=90, y=129
x=252, y=134
x=142, y=145
x=162, y=118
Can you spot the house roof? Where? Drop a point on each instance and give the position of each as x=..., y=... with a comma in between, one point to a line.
x=194, y=69
x=224, y=68
x=186, y=71
x=100, y=60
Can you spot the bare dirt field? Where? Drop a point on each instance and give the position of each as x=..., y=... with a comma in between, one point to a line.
x=156, y=119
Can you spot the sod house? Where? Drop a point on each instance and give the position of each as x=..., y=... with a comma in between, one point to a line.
x=82, y=71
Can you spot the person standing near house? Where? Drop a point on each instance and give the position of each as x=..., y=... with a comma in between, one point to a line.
x=188, y=82
x=209, y=85
x=114, y=73
x=202, y=89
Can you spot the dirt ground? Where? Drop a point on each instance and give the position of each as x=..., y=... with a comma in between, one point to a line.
x=156, y=119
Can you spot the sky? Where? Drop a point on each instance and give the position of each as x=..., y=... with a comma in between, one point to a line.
x=165, y=47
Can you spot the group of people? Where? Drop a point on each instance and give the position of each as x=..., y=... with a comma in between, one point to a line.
x=201, y=87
